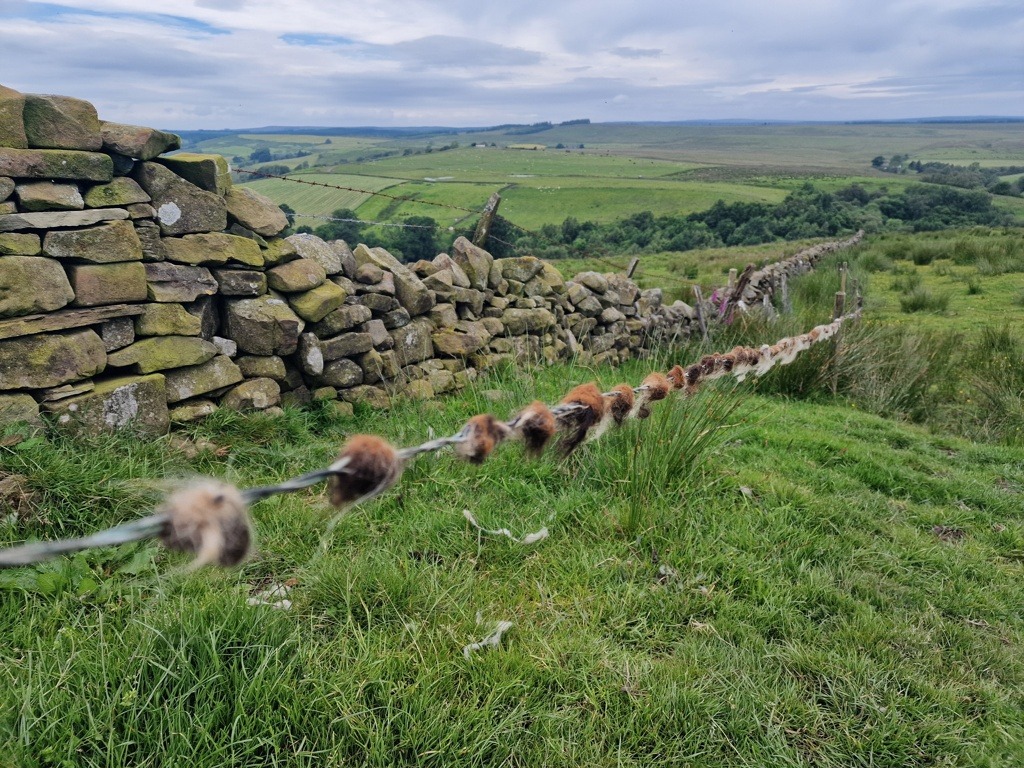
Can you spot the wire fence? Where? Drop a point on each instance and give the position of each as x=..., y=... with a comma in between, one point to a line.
x=209, y=519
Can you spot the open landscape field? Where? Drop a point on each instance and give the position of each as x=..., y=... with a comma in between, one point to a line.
x=763, y=574
x=821, y=567
x=620, y=169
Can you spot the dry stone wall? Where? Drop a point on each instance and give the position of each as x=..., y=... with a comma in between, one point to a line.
x=139, y=288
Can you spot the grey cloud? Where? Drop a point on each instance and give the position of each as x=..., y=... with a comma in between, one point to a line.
x=446, y=51
x=637, y=53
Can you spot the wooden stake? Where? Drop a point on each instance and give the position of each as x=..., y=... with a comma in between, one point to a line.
x=837, y=311
x=632, y=266
x=700, y=313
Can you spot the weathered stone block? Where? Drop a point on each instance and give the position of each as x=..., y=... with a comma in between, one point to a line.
x=30, y=284
x=253, y=394
x=475, y=262
x=50, y=359
x=55, y=164
x=19, y=408
x=378, y=334
x=118, y=193
x=310, y=354
x=443, y=315
x=103, y=244
x=340, y=373
x=49, y=196
x=346, y=345
x=240, y=282
x=311, y=247
x=520, y=268
x=208, y=172
x=137, y=141
x=182, y=208
x=55, y=219
x=160, y=353
x=278, y=251
x=194, y=410
x=348, y=260
x=520, y=321
x=97, y=284
x=117, y=333
x=374, y=397
x=342, y=319
x=296, y=276
x=177, y=283
x=12, y=123
x=314, y=305
x=6, y=185
x=212, y=248
x=413, y=342
x=396, y=318
x=183, y=383
x=61, y=122
x=455, y=343
x=595, y=281
x=409, y=289
x=138, y=403
x=167, y=320
x=259, y=366
x=255, y=211
x=265, y=325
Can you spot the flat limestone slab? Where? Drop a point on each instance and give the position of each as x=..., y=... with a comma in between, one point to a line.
x=64, y=319
x=55, y=164
x=56, y=219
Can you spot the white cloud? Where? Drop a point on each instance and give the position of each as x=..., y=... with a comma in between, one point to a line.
x=237, y=63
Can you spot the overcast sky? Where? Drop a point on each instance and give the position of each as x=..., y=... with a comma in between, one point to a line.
x=248, y=63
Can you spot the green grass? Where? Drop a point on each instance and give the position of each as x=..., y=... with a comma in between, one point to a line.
x=779, y=598
x=320, y=201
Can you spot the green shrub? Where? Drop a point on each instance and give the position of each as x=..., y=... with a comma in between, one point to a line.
x=921, y=299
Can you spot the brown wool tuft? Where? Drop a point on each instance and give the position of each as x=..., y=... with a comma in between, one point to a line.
x=658, y=386
x=208, y=519
x=677, y=377
x=483, y=433
x=708, y=364
x=727, y=362
x=373, y=467
x=576, y=423
x=622, y=403
x=535, y=425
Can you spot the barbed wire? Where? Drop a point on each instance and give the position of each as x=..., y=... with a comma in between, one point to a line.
x=210, y=519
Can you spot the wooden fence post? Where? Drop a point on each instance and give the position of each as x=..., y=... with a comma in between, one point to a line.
x=700, y=313
x=837, y=311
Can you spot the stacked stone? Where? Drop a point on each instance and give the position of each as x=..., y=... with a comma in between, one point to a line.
x=138, y=288
x=764, y=282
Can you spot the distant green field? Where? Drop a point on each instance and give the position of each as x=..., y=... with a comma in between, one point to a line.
x=320, y=201
x=621, y=170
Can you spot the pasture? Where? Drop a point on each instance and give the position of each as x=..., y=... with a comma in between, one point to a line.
x=622, y=169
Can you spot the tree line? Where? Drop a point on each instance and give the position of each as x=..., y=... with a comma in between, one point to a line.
x=807, y=212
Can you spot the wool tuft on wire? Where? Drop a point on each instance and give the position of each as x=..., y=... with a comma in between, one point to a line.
x=210, y=520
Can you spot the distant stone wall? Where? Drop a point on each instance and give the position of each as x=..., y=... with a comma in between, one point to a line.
x=138, y=289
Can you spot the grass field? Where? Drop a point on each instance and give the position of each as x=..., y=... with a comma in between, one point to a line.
x=779, y=597
x=626, y=169
x=745, y=579
x=320, y=201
